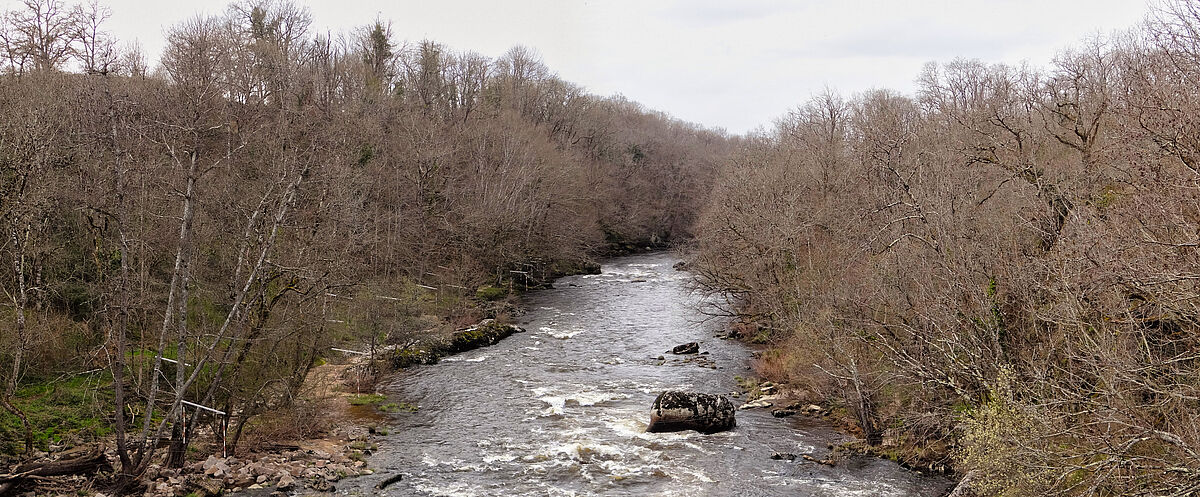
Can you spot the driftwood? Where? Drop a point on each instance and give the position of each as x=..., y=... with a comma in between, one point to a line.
x=28, y=473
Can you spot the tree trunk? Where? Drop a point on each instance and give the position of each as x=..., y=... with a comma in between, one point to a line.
x=177, y=452
x=146, y=446
x=20, y=302
x=28, y=473
x=121, y=317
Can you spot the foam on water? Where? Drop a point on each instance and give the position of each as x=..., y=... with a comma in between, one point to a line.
x=562, y=410
x=466, y=358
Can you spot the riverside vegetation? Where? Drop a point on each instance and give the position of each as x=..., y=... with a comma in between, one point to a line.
x=992, y=276
x=996, y=274
x=202, y=229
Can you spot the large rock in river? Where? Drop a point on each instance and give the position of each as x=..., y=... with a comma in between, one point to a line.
x=674, y=410
x=687, y=348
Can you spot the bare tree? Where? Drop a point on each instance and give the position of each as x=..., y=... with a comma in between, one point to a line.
x=96, y=49
x=43, y=33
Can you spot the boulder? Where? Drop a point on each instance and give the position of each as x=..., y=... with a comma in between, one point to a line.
x=215, y=462
x=677, y=411
x=243, y=479
x=783, y=413
x=687, y=348
x=217, y=470
x=320, y=484
x=205, y=487
x=783, y=456
x=285, y=482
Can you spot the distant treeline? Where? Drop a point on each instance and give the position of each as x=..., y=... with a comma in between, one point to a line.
x=1001, y=273
x=194, y=226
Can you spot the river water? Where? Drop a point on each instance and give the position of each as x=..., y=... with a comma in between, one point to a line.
x=562, y=408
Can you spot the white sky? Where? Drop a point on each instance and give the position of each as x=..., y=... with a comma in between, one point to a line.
x=735, y=64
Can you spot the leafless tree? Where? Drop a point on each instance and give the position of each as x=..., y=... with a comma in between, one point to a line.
x=43, y=33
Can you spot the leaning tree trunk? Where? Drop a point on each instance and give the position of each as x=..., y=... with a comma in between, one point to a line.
x=27, y=474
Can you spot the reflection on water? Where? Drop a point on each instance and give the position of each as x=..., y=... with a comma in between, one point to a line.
x=562, y=409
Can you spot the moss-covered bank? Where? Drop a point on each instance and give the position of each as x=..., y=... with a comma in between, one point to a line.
x=488, y=332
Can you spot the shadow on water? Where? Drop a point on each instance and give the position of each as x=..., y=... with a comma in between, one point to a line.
x=562, y=409
x=367, y=414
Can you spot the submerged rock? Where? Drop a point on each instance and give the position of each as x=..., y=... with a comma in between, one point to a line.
x=687, y=348
x=677, y=411
x=783, y=456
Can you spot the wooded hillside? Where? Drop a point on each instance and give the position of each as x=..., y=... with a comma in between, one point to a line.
x=204, y=227
x=997, y=274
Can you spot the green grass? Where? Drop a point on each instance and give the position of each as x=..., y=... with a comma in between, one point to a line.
x=489, y=292
x=398, y=406
x=74, y=409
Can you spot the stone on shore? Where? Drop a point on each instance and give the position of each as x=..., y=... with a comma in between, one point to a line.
x=760, y=403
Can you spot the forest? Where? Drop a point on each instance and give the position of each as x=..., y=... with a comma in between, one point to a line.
x=994, y=276
x=202, y=228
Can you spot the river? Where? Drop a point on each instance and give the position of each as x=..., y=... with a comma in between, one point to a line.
x=562, y=408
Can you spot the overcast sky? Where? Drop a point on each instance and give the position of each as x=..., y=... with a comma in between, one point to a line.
x=735, y=64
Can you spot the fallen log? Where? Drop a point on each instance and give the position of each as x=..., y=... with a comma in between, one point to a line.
x=31, y=473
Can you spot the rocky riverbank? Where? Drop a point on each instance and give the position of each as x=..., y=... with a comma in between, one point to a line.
x=317, y=442
x=333, y=430
x=773, y=389
x=290, y=470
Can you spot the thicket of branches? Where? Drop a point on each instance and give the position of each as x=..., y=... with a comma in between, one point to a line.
x=1003, y=265
x=190, y=228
